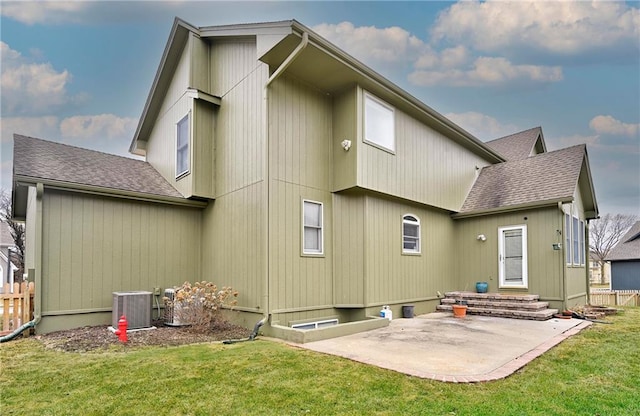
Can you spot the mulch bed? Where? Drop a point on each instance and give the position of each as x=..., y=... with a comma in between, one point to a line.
x=96, y=338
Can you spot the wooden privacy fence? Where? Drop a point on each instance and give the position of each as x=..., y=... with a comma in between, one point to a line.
x=615, y=297
x=17, y=307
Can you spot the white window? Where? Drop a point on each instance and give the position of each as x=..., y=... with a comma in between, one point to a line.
x=410, y=234
x=379, y=124
x=575, y=233
x=312, y=227
x=581, y=243
x=182, y=146
x=567, y=237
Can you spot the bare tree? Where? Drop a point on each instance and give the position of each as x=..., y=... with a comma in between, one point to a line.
x=16, y=230
x=605, y=233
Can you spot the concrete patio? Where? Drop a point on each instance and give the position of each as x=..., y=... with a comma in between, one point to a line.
x=440, y=347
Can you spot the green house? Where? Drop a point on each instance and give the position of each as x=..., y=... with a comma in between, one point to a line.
x=278, y=164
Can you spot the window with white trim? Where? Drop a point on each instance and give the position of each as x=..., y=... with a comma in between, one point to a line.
x=312, y=227
x=581, y=243
x=575, y=233
x=567, y=237
x=182, y=146
x=410, y=234
x=379, y=123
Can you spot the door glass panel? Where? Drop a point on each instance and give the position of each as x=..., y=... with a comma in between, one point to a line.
x=513, y=256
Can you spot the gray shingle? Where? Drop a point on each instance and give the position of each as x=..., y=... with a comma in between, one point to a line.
x=543, y=177
x=41, y=159
x=516, y=146
x=629, y=246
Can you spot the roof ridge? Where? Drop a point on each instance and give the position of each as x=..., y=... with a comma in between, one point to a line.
x=513, y=134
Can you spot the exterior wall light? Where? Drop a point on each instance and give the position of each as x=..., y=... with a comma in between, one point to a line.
x=481, y=237
x=346, y=145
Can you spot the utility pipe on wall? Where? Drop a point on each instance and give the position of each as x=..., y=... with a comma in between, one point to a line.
x=267, y=168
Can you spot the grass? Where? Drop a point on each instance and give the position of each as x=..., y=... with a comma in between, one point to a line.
x=593, y=373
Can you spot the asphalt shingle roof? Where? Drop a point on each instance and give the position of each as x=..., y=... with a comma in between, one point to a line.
x=543, y=177
x=42, y=159
x=516, y=146
x=5, y=235
x=629, y=246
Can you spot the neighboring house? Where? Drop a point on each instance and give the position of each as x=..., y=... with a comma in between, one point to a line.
x=625, y=261
x=7, y=266
x=280, y=165
x=596, y=271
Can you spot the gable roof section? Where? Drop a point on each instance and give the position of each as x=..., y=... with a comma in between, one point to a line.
x=539, y=180
x=321, y=63
x=629, y=246
x=519, y=145
x=67, y=167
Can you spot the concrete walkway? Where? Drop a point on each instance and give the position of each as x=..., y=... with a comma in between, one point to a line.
x=439, y=347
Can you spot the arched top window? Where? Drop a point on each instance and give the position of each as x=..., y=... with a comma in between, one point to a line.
x=410, y=234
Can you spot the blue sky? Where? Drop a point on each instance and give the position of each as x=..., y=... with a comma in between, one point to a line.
x=80, y=72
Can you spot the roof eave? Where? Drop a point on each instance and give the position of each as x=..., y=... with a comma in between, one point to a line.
x=512, y=208
x=25, y=181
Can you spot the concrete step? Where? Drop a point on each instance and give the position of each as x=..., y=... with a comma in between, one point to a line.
x=494, y=296
x=501, y=304
x=539, y=315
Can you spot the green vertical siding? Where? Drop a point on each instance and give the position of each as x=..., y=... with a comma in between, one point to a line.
x=233, y=244
x=234, y=227
x=392, y=276
x=345, y=163
x=199, y=75
x=94, y=246
x=427, y=167
x=231, y=61
x=300, y=134
x=478, y=261
x=349, y=231
x=239, y=136
x=203, y=149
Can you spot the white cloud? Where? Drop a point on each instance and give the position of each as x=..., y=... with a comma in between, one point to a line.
x=372, y=44
x=568, y=141
x=30, y=88
x=98, y=126
x=481, y=125
x=32, y=12
x=41, y=127
x=486, y=71
x=451, y=66
x=609, y=125
x=556, y=28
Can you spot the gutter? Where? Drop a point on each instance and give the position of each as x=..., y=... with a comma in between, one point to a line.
x=511, y=208
x=110, y=192
x=267, y=166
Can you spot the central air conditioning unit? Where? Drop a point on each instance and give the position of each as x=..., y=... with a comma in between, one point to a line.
x=172, y=312
x=135, y=306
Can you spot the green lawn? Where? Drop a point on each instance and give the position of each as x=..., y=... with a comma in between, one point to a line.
x=596, y=372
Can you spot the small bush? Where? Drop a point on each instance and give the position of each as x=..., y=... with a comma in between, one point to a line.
x=199, y=304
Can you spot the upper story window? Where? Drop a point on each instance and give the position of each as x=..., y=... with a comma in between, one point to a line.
x=182, y=146
x=410, y=234
x=379, y=123
x=312, y=227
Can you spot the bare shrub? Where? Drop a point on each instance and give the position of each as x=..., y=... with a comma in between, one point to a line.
x=199, y=304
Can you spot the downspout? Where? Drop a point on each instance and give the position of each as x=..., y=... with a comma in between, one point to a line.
x=267, y=166
x=37, y=307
